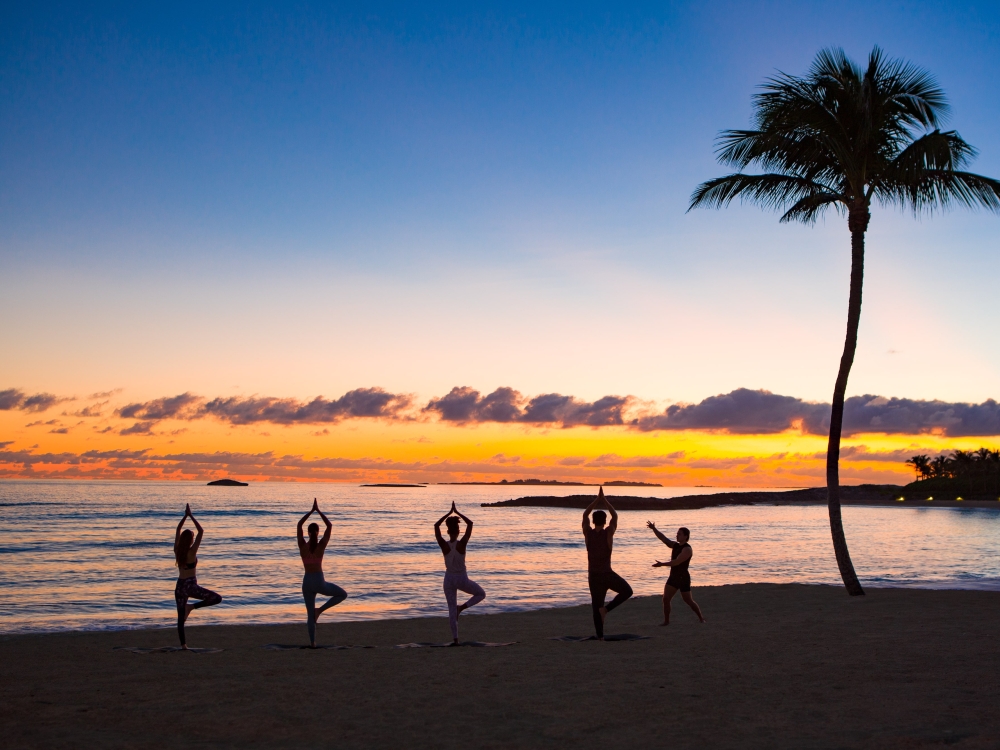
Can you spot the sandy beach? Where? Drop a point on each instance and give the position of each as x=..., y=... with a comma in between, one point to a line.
x=777, y=666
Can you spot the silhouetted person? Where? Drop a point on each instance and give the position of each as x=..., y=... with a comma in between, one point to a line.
x=186, y=546
x=679, y=578
x=455, y=577
x=600, y=576
x=313, y=582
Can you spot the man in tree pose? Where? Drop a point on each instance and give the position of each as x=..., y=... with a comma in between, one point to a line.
x=599, y=573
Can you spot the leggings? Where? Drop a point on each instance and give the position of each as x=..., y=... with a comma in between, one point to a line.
x=599, y=585
x=453, y=583
x=312, y=584
x=188, y=588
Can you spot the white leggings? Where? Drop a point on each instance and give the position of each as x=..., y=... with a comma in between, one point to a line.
x=453, y=583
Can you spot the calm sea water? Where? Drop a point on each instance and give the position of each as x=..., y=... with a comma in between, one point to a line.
x=88, y=555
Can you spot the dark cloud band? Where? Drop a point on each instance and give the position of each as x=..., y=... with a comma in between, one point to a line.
x=760, y=412
x=742, y=411
x=464, y=405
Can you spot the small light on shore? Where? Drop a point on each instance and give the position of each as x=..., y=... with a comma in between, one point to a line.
x=958, y=499
x=930, y=499
x=900, y=499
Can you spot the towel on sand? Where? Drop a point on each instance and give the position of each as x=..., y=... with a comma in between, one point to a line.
x=478, y=644
x=289, y=647
x=616, y=637
x=167, y=650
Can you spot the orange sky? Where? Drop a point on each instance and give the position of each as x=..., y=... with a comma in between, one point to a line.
x=83, y=439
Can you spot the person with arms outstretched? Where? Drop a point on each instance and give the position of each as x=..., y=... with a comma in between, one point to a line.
x=600, y=576
x=313, y=583
x=186, y=546
x=679, y=578
x=456, y=578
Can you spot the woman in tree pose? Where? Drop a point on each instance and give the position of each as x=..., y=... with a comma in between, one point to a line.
x=679, y=578
x=456, y=578
x=313, y=582
x=186, y=546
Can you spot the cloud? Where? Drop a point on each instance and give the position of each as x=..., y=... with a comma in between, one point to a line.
x=569, y=412
x=14, y=398
x=104, y=394
x=464, y=405
x=760, y=412
x=93, y=410
x=742, y=411
x=173, y=407
x=361, y=402
x=614, y=461
x=139, y=428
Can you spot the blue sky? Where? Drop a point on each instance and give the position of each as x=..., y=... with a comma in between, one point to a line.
x=304, y=201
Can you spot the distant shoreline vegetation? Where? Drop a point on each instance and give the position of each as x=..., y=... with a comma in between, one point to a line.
x=968, y=473
x=556, y=482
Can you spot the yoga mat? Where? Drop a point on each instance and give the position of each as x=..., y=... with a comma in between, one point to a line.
x=616, y=637
x=167, y=650
x=476, y=644
x=287, y=647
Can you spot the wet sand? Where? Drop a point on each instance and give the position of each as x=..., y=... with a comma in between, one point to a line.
x=776, y=666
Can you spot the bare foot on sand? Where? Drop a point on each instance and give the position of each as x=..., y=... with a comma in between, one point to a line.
x=662, y=624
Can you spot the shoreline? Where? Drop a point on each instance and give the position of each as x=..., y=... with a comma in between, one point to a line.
x=865, y=494
x=171, y=627
x=777, y=665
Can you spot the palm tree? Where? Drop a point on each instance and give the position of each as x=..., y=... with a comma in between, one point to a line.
x=845, y=137
x=921, y=465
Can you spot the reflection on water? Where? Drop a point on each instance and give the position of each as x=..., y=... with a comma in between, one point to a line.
x=99, y=555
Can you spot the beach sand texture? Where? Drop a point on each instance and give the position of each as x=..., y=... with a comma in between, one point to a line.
x=776, y=666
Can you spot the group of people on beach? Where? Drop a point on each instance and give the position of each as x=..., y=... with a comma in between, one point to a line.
x=598, y=534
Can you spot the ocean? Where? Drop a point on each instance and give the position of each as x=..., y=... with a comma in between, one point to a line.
x=98, y=555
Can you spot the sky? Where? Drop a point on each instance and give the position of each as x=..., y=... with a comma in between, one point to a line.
x=254, y=206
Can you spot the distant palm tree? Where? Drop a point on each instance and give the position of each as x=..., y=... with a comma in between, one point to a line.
x=941, y=466
x=843, y=136
x=921, y=465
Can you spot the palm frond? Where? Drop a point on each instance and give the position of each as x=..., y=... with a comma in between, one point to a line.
x=842, y=134
x=935, y=150
x=808, y=209
x=941, y=188
x=768, y=190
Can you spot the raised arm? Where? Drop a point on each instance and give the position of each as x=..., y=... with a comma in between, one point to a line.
x=661, y=536
x=437, y=533
x=201, y=531
x=613, y=525
x=329, y=526
x=180, y=526
x=468, y=528
x=587, y=512
x=301, y=523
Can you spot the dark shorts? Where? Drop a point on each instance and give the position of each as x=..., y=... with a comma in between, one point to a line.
x=681, y=583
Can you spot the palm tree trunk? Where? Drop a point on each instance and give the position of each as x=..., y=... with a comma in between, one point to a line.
x=858, y=224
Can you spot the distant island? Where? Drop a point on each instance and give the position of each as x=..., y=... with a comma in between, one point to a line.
x=865, y=494
x=394, y=485
x=556, y=483
x=227, y=483
x=620, y=483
